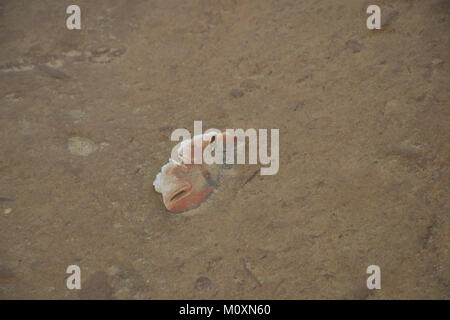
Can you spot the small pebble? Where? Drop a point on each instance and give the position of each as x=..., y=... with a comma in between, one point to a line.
x=7, y=211
x=81, y=146
x=237, y=93
x=203, y=284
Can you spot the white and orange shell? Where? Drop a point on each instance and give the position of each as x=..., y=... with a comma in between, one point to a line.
x=184, y=184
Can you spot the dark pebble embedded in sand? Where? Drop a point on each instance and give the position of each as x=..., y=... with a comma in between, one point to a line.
x=237, y=93
x=203, y=284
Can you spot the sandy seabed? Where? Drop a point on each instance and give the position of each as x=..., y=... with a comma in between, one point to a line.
x=85, y=121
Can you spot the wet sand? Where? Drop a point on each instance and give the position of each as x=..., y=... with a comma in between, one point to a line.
x=85, y=121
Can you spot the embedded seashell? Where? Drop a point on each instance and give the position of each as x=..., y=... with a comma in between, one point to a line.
x=185, y=182
x=183, y=187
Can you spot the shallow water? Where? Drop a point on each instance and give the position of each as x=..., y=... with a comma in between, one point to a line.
x=363, y=178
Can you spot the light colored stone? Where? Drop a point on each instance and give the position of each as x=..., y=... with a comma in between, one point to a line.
x=80, y=146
